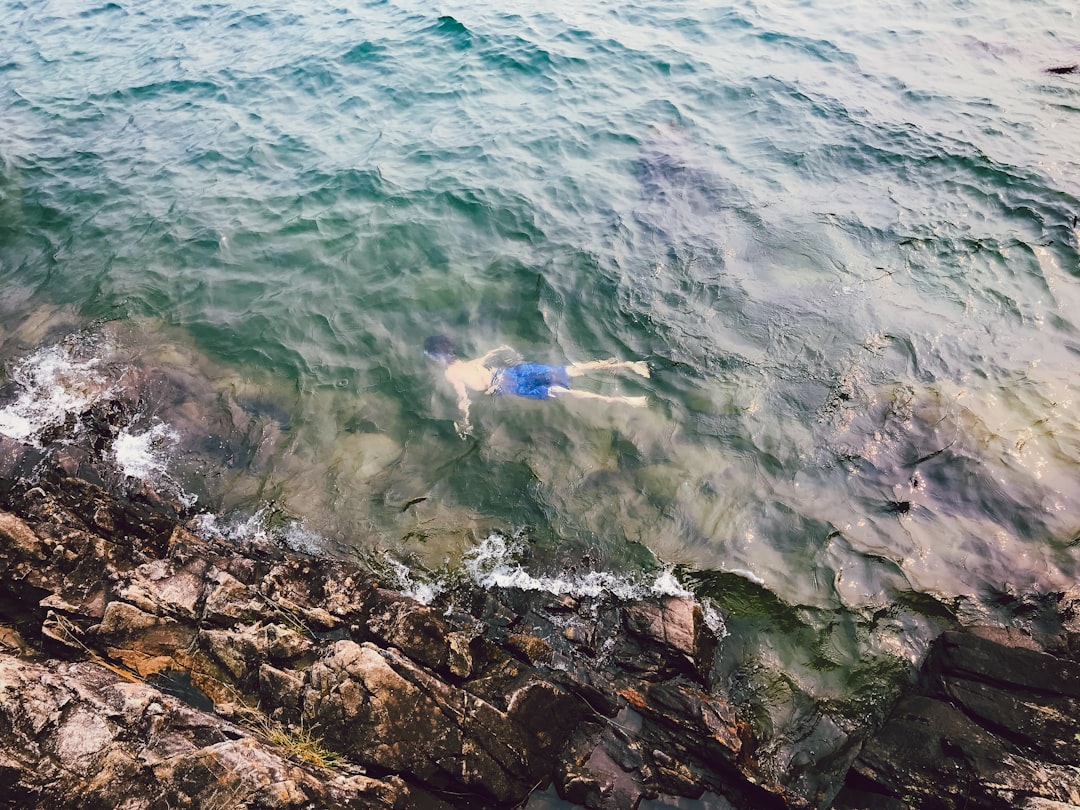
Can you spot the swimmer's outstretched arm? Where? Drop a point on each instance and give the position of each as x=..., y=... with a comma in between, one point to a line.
x=462, y=426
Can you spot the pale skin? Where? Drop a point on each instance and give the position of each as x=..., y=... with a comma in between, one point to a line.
x=477, y=376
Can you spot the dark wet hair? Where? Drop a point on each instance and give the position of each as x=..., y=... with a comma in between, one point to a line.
x=440, y=347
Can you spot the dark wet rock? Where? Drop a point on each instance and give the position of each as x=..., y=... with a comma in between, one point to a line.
x=533, y=649
x=991, y=726
x=603, y=767
x=419, y=632
x=677, y=624
x=17, y=462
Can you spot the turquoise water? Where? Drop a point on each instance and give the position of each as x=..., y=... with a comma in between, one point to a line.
x=845, y=239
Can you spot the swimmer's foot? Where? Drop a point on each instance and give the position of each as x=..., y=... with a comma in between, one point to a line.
x=635, y=402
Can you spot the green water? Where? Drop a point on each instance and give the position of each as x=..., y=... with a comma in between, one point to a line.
x=845, y=240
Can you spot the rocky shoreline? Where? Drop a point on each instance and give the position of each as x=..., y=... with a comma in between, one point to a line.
x=143, y=665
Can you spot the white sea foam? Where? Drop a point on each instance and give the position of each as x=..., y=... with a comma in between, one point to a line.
x=667, y=585
x=144, y=454
x=59, y=382
x=261, y=527
x=745, y=574
x=495, y=564
x=407, y=583
x=53, y=383
x=265, y=526
x=208, y=526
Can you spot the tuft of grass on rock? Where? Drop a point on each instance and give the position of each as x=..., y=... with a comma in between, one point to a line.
x=297, y=742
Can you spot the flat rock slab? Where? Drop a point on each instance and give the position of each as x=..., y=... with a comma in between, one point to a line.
x=992, y=727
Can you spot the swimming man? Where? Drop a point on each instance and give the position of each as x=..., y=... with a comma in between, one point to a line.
x=530, y=380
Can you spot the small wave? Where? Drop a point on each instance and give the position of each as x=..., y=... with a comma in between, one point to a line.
x=144, y=454
x=270, y=524
x=364, y=53
x=404, y=579
x=53, y=384
x=495, y=563
x=451, y=25
x=267, y=525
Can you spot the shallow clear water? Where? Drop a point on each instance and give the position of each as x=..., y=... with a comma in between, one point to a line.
x=844, y=239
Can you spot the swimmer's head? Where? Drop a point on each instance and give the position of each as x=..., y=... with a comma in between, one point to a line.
x=440, y=348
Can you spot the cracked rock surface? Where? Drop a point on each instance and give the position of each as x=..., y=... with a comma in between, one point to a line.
x=143, y=665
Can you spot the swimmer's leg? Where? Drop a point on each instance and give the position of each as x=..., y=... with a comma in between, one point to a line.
x=637, y=402
x=637, y=366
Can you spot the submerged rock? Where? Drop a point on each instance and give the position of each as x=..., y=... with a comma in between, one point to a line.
x=991, y=726
x=145, y=666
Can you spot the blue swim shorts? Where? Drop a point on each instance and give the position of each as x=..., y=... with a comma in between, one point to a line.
x=530, y=380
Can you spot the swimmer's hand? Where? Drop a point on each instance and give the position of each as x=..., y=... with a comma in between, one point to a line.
x=463, y=428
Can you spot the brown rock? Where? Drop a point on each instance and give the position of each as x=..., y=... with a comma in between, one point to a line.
x=389, y=712
x=20, y=538
x=419, y=632
x=967, y=655
x=707, y=727
x=124, y=624
x=228, y=600
x=11, y=641
x=76, y=736
x=282, y=687
x=604, y=768
x=364, y=705
x=677, y=624
x=236, y=650
x=478, y=706
x=163, y=588
x=535, y=650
